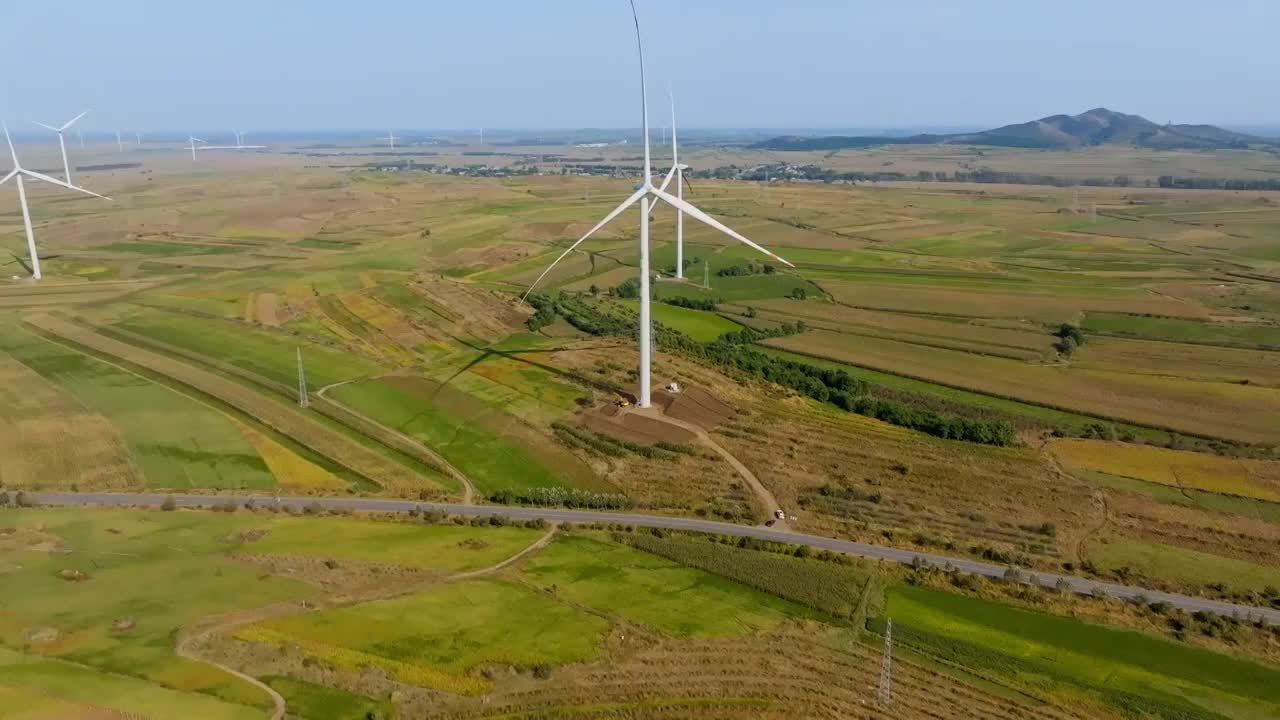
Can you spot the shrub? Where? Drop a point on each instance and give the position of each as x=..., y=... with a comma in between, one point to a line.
x=168, y=504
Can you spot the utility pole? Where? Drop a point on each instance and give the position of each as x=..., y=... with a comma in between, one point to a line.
x=303, y=401
x=885, y=694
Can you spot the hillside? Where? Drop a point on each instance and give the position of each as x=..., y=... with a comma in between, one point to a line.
x=1099, y=126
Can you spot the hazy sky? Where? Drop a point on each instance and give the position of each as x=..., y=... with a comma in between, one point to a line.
x=320, y=64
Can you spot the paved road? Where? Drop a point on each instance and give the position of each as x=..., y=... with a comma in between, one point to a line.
x=874, y=552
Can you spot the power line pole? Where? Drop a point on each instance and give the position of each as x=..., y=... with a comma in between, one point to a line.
x=303, y=401
x=886, y=666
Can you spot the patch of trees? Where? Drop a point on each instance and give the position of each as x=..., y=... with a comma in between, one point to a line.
x=1208, y=183
x=561, y=497
x=692, y=303
x=578, y=437
x=753, y=267
x=1069, y=337
x=628, y=289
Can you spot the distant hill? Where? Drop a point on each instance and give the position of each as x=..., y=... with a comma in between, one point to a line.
x=1099, y=126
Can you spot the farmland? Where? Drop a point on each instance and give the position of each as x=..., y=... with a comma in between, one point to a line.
x=162, y=353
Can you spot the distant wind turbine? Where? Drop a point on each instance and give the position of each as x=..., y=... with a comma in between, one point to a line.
x=17, y=174
x=677, y=172
x=644, y=194
x=137, y=136
x=66, y=167
x=80, y=135
x=193, y=139
x=390, y=138
x=119, y=142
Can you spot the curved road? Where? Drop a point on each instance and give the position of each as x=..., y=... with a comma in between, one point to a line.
x=1079, y=585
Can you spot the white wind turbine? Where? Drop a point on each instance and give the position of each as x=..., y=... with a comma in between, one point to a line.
x=390, y=138
x=645, y=194
x=193, y=140
x=16, y=174
x=677, y=172
x=66, y=167
x=119, y=142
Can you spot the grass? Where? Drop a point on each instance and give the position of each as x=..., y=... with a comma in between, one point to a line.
x=650, y=590
x=433, y=547
x=1186, y=497
x=273, y=355
x=1181, y=565
x=1257, y=479
x=468, y=433
x=1216, y=409
x=318, y=702
x=700, y=325
x=1093, y=656
x=162, y=570
x=1179, y=330
x=1025, y=413
x=434, y=639
x=177, y=442
x=36, y=688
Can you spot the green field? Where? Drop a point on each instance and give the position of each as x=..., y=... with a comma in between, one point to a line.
x=430, y=547
x=654, y=591
x=993, y=638
x=162, y=571
x=1180, y=565
x=272, y=355
x=700, y=325
x=320, y=702
x=177, y=442
x=1173, y=329
x=436, y=637
x=49, y=688
x=467, y=432
x=1186, y=497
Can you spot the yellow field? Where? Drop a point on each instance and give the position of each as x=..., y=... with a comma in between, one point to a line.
x=290, y=470
x=1234, y=476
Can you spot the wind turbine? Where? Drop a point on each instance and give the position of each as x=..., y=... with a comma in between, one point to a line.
x=193, y=139
x=390, y=138
x=677, y=172
x=66, y=167
x=645, y=194
x=119, y=142
x=138, y=137
x=16, y=174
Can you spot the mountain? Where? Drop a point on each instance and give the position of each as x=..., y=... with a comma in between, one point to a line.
x=1099, y=126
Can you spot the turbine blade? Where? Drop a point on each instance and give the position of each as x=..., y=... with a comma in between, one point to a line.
x=12, y=153
x=47, y=127
x=675, y=146
x=697, y=214
x=55, y=181
x=616, y=212
x=667, y=180
x=8, y=177
x=73, y=120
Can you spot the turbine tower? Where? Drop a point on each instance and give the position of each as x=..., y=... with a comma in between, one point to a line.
x=66, y=167
x=390, y=138
x=646, y=194
x=16, y=174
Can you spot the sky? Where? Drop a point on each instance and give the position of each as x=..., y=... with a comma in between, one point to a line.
x=325, y=64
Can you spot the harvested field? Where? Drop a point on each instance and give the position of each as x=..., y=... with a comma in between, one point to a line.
x=333, y=445
x=1259, y=479
x=1043, y=305
x=639, y=429
x=695, y=405
x=267, y=309
x=48, y=440
x=291, y=470
x=1235, y=412
x=1196, y=362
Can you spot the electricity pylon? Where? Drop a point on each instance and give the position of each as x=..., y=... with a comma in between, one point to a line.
x=303, y=400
